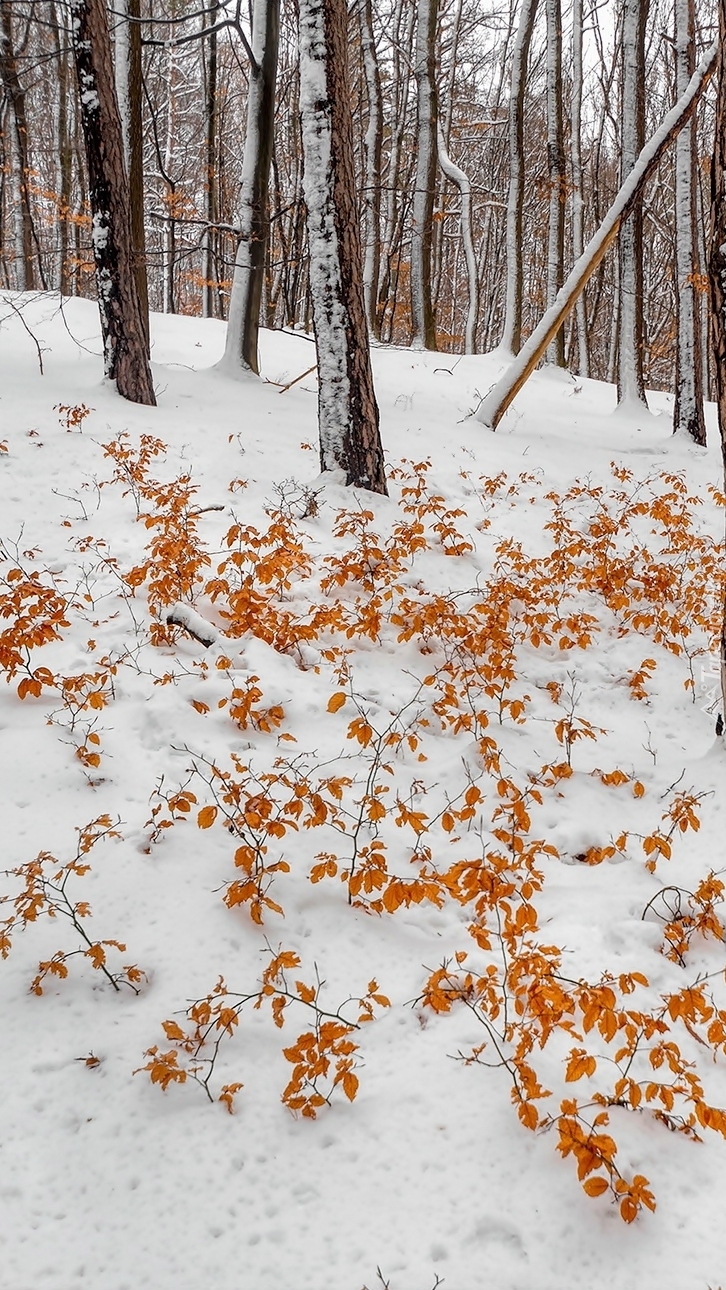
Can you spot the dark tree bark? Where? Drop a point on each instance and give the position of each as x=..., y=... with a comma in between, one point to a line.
x=122, y=324
x=717, y=276
x=372, y=151
x=347, y=408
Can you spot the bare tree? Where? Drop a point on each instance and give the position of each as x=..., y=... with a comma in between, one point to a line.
x=122, y=324
x=688, y=414
x=631, y=382
x=493, y=407
x=244, y=313
x=15, y=93
x=347, y=408
x=423, y=325
x=717, y=276
x=512, y=333
x=555, y=169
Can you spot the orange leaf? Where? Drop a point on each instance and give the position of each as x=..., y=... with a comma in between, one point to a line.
x=336, y=701
x=206, y=817
x=595, y=1186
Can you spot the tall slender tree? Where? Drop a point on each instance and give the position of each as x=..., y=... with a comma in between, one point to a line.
x=244, y=315
x=688, y=414
x=122, y=324
x=15, y=94
x=512, y=333
x=423, y=325
x=347, y=408
x=717, y=276
x=631, y=380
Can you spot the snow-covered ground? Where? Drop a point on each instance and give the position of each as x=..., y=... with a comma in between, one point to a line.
x=427, y=1176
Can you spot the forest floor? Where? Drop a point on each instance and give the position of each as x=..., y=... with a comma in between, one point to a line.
x=380, y=942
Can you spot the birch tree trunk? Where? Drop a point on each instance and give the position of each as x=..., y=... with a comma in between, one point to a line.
x=423, y=326
x=512, y=333
x=347, y=408
x=122, y=325
x=244, y=310
x=631, y=383
x=717, y=276
x=688, y=415
x=556, y=170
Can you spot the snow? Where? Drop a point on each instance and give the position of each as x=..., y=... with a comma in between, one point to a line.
x=109, y=1182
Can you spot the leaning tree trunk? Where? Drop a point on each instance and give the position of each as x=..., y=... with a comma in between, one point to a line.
x=631, y=382
x=122, y=324
x=423, y=326
x=244, y=309
x=717, y=275
x=494, y=405
x=512, y=333
x=688, y=417
x=347, y=408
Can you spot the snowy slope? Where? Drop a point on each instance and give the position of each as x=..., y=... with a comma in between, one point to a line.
x=427, y=1176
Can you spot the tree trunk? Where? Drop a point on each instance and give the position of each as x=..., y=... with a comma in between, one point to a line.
x=631, y=383
x=688, y=417
x=457, y=176
x=211, y=204
x=122, y=325
x=492, y=408
x=25, y=271
x=372, y=151
x=347, y=408
x=578, y=203
x=129, y=93
x=556, y=170
x=512, y=333
x=422, y=315
x=717, y=276
x=244, y=310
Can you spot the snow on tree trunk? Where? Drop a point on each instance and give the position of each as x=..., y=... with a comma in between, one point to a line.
x=512, y=333
x=631, y=383
x=555, y=169
x=347, y=408
x=492, y=408
x=717, y=276
x=244, y=311
x=578, y=242
x=688, y=414
x=122, y=325
x=457, y=176
x=372, y=149
x=423, y=326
